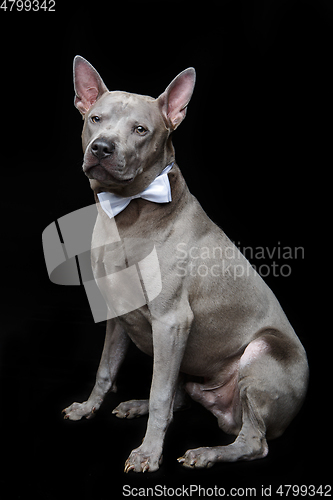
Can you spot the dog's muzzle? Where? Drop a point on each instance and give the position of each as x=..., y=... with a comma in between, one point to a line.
x=101, y=148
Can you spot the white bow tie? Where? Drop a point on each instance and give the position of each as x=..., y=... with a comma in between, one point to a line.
x=158, y=191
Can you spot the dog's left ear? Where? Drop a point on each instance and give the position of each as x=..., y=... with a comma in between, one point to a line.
x=175, y=98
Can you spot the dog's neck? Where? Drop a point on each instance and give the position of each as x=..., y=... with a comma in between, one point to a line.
x=155, y=214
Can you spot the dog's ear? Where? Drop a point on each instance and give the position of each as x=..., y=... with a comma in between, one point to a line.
x=175, y=98
x=88, y=85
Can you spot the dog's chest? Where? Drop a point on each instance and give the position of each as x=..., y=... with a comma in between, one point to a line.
x=127, y=272
x=138, y=327
x=124, y=294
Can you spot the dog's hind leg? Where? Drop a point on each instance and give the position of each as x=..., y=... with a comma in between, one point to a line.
x=271, y=385
x=250, y=444
x=115, y=347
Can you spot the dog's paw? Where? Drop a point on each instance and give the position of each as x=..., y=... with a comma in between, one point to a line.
x=198, y=458
x=78, y=410
x=131, y=409
x=139, y=461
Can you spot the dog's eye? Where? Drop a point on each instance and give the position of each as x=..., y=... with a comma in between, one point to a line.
x=140, y=130
x=95, y=119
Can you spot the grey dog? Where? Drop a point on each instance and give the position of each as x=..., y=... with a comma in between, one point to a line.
x=221, y=338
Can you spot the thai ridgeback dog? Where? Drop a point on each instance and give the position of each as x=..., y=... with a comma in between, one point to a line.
x=216, y=333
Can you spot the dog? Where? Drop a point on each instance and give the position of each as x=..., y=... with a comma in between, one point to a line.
x=220, y=337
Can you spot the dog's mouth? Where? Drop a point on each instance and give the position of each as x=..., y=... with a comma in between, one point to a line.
x=99, y=173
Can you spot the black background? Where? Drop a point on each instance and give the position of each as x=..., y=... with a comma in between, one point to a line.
x=255, y=149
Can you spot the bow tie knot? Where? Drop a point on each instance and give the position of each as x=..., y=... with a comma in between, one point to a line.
x=158, y=191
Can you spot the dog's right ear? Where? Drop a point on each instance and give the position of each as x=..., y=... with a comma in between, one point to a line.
x=88, y=85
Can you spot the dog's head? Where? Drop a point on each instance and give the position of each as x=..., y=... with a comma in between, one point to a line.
x=126, y=136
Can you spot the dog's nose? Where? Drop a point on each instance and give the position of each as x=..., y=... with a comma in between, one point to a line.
x=102, y=148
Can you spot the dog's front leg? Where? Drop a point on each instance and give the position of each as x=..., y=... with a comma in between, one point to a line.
x=115, y=347
x=169, y=337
